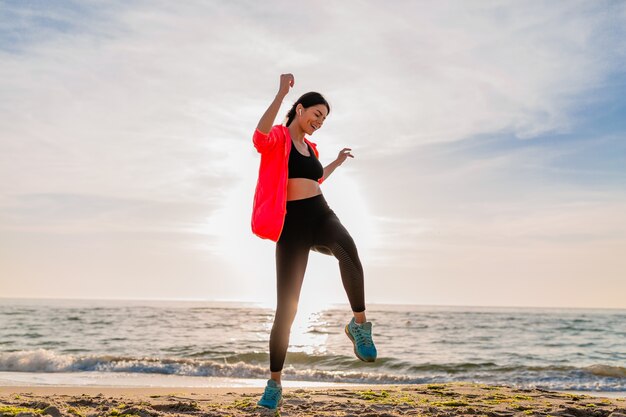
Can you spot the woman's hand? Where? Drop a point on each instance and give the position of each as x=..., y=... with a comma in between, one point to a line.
x=343, y=154
x=286, y=82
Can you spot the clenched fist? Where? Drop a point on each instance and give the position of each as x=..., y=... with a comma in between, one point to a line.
x=286, y=82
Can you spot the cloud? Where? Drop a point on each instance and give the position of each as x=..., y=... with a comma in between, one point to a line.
x=134, y=119
x=439, y=73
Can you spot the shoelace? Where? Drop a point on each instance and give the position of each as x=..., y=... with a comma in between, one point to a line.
x=362, y=336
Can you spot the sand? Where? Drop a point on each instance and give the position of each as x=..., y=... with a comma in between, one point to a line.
x=450, y=399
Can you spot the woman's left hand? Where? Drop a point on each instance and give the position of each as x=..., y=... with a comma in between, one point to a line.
x=343, y=154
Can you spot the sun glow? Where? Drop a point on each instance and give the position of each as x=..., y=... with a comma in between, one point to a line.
x=304, y=337
x=253, y=258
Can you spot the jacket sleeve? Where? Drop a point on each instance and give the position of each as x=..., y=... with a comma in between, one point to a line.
x=263, y=141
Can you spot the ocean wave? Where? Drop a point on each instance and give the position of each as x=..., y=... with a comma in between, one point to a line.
x=452, y=368
x=310, y=359
x=606, y=370
x=302, y=366
x=42, y=360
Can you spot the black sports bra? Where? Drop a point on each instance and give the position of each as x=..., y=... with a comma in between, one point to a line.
x=301, y=166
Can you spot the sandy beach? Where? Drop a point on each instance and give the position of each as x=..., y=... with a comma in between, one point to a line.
x=449, y=399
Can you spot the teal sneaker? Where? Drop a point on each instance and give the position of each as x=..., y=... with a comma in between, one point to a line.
x=361, y=336
x=273, y=395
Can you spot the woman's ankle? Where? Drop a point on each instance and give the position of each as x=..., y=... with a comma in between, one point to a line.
x=359, y=317
x=276, y=377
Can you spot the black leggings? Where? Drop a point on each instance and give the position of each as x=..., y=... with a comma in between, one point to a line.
x=310, y=224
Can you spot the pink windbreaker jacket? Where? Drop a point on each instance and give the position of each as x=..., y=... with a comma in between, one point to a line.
x=270, y=197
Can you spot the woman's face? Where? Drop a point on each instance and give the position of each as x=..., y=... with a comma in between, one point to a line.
x=312, y=118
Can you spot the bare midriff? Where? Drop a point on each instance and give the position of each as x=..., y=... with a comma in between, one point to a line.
x=299, y=188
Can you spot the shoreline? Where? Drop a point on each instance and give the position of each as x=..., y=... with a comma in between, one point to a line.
x=453, y=398
x=113, y=390
x=88, y=379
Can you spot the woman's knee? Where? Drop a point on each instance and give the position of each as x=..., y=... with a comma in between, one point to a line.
x=333, y=238
x=344, y=249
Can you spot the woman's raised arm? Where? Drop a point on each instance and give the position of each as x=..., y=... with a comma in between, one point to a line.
x=267, y=120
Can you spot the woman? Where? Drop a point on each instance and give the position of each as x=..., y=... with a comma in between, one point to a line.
x=290, y=209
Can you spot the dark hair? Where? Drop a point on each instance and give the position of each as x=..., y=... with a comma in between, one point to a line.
x=307, y=100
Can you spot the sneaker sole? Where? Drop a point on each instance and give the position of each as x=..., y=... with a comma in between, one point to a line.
x=280, y=403
x=354, y=344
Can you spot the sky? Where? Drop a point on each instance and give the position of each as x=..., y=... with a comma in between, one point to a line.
x=489, y=144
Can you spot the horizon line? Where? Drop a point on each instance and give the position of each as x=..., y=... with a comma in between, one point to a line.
x=233, y=301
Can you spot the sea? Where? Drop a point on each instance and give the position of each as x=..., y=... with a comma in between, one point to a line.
x=211, y=344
